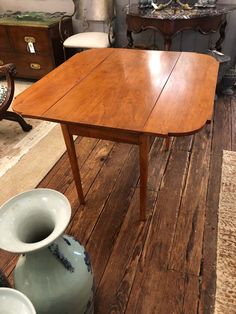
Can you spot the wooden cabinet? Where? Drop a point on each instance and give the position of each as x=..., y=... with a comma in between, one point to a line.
x=15, y=37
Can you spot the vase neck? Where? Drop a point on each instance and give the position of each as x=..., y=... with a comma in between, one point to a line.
x=49, y=256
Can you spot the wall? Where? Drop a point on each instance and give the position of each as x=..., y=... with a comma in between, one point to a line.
x=188, y=40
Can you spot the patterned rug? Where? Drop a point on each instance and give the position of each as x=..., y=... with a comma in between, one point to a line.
x=25, y=157
x=226, y=246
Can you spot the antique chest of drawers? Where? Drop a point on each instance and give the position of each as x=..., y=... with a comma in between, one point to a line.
x=34, y=46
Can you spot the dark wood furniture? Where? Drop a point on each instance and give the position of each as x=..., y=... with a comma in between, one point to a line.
x=160, y=94
x=171, y=21
x=47, y=51
x=8, y=71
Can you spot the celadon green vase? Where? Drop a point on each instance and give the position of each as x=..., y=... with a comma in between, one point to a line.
x=54, y=270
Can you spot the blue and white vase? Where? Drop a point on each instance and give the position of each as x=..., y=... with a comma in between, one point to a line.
x=54, y=270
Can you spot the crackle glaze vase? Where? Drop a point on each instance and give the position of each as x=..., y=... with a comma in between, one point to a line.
x=54, y=270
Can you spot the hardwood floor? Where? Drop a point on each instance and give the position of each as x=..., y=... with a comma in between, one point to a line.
x=167, y=263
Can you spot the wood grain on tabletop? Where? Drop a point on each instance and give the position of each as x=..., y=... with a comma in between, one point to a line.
x=43, y=94
x=153, y=91
x=120, y=93
x=187, y=100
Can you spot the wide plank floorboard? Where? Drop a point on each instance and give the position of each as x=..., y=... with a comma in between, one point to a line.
x=166, y=264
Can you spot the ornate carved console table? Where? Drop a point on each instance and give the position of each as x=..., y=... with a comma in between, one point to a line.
x=171, y=21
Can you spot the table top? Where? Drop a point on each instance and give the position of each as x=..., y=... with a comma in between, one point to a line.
x=153, y=92
x=177, y=13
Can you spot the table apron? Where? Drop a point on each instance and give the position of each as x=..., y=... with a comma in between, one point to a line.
x=140, y=139
x=105, y=134
x=204, y=25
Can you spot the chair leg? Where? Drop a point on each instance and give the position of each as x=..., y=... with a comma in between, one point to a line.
x=13, y=116
x=64, y=53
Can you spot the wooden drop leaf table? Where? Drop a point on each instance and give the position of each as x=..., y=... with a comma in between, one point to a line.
x=126, y=96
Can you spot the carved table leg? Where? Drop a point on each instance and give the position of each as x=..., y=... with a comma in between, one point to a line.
x=167, y=42
x=219, y=42
x=130, y=39
x=68, y=138
x=143, y=162
x=13, y=116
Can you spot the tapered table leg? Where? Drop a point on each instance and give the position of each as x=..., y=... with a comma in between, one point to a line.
x=143, y=162
x=167, y=142
x=68, y=138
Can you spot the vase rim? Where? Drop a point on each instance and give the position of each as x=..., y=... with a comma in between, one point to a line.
x=22, y=298
x=32, y=204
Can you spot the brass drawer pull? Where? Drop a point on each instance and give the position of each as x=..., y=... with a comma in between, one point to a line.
x=35, y=66
x=1, y=62
x=29, y=39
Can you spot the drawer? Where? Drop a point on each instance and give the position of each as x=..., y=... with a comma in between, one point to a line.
x=4, y=41
x=29, y=66
x=20, y=36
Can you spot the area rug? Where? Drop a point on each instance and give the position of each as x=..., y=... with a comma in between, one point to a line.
x=226, y=245
x=26, y=157
x=14, y=143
